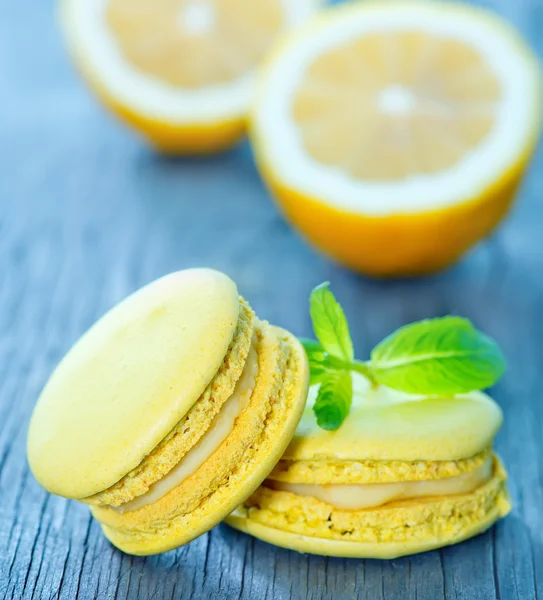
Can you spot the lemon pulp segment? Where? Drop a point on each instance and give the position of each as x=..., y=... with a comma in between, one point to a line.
x=411, y=104
x=194, y=43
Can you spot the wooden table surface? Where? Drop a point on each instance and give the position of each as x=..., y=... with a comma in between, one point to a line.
x=88, y=214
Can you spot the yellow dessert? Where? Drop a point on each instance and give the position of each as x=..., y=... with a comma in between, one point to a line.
x=403, y=474
x=169, y=411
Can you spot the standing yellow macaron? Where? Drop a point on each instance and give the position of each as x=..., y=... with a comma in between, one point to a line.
x=169, y=411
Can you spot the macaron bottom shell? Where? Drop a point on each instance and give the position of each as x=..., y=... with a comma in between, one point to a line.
x=308, y=525
x=233, y=472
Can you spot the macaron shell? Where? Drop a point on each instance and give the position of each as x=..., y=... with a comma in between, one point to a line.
x=338, y=472
x=191, y=428
x=447, y=524
x=311, y=545
x=387, y=425
x=172, y=521
x=129, y=380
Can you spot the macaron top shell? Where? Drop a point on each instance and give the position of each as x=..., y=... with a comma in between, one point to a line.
x=387, y=425
x=129, y=380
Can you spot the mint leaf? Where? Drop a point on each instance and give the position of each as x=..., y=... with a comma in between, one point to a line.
x=436, y=357
x=313, y=349
x=329, y=323
x=318, y=363
x=321, y=363
x=334, y=400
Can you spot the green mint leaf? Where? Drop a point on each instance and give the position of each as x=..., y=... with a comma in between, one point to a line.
x=321, y=363
x=313, y=349
x=437, y=356
x=329, y=323
x=334, y=400
x=317, y=374
x=317, y=358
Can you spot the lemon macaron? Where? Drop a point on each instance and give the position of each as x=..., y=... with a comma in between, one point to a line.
x=169, y=412
x=401, y=475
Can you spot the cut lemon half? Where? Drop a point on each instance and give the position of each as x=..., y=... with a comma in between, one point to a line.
x=394, y=134
x=179, y=71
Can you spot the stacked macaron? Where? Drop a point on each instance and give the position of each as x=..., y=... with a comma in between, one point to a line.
x=172, y=410
x=169, y=411
x=403, y=474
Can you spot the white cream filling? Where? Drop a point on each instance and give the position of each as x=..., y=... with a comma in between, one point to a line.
x=220, y=428
x=356, y=497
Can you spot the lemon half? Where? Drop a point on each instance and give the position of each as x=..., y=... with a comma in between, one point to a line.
x=394, y=134
x=180, y=71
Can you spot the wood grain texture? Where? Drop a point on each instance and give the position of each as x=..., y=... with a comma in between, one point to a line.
x=88, y=214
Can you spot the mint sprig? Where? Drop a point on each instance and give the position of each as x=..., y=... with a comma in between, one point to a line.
x=442, y=356
x=329, y=323
x=318, y=361
x=438, y=356
x=334, y=400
